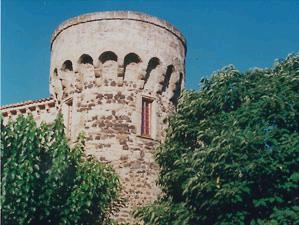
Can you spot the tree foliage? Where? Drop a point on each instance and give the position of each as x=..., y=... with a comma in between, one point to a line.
x=46, y=182
x=231, y=154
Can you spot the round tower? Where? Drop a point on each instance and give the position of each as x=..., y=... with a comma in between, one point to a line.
x=117, y=76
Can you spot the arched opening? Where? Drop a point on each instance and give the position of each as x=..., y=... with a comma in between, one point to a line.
x=107, y=56
x=152, y=64
x=67, y=77
x=55, y=73
x=169, y=71
x=108, y=66
x=55, y=84
x=85, y=59
x=67, y=66
x=178, y=89
x=130, y=70
x=131, y=58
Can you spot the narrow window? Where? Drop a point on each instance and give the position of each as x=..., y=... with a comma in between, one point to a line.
x=69, y=109
x=146, y=117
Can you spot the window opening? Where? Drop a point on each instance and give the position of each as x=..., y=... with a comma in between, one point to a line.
x=146, y=117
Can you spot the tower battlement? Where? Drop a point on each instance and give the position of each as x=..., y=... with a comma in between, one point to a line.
x=108, y=70
x=116, y=48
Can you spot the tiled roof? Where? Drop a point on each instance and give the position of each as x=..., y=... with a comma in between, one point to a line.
x=30, y=102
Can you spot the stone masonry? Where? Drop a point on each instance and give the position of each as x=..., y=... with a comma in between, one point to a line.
x=103, y=66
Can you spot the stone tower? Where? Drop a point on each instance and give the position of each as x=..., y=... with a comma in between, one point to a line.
x=117, y=76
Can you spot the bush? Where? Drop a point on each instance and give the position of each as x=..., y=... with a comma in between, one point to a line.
x=231, y=154
x=46, y=182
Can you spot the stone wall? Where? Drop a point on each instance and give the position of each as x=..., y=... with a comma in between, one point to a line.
x=111, y=116
x=42, y=110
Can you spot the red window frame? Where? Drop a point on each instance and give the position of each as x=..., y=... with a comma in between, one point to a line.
x=69, y=105
x=146, y=117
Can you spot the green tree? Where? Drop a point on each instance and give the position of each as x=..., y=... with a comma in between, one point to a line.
x=231, y=154
x=44, y=181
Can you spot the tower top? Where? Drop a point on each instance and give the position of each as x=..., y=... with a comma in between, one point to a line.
x=118, y=15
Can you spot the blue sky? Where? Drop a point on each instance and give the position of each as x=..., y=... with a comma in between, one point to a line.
x=244, y=33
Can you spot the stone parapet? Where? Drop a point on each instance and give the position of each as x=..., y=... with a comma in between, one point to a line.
x=118, y=15
x=42, y=110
